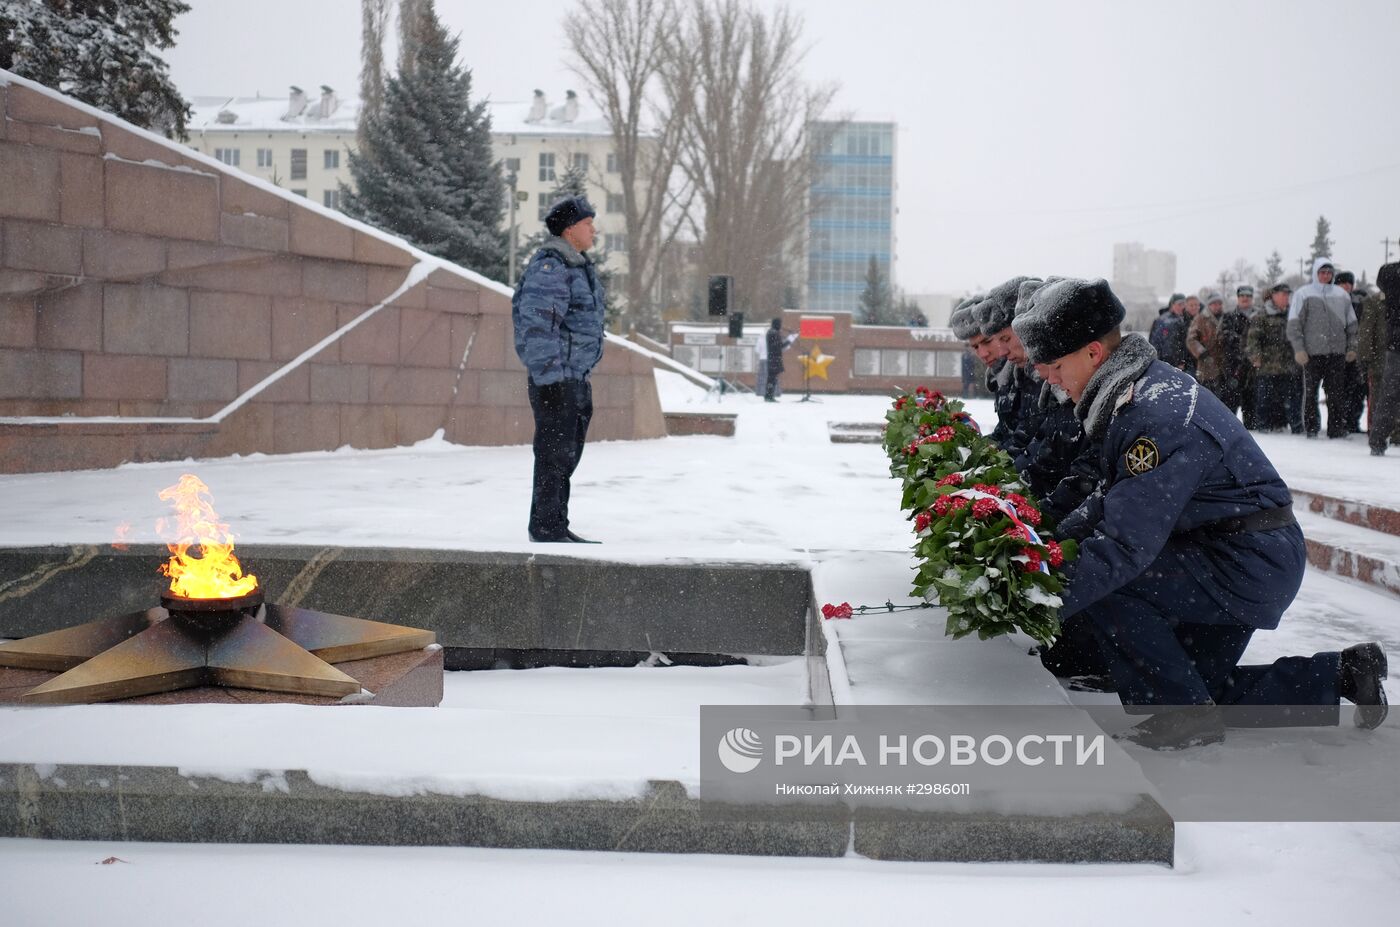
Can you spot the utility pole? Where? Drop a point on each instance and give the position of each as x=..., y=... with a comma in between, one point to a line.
x=1303, y=267
x=1387, y=243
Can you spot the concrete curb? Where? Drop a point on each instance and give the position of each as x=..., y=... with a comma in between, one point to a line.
x=159, y=804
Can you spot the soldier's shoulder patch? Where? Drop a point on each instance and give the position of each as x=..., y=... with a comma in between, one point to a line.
x=1142, y=455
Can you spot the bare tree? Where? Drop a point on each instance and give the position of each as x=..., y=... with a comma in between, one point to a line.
x=628, y=54
x=408, y=32
x=746, y=148
x=375, y=19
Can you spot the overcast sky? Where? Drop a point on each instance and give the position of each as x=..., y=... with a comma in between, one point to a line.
x=1033, y=134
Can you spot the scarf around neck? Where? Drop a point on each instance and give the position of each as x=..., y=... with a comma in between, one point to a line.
x=1124, y=366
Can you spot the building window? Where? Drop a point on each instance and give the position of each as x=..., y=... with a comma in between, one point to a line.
x=546, y=166
x=298, y=192
x=513, y=165
x=332, y=159
x=612, y=162
x=299, y=165
x=546, y=201
x=331, y=198
x=614, y=202
x=264, y=157
x=227, y=155
x=615, y=242
x=580, y=162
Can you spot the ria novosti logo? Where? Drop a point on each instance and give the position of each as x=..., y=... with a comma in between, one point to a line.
x=740, y=750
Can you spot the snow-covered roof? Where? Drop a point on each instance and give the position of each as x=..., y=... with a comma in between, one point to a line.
x=272, y=114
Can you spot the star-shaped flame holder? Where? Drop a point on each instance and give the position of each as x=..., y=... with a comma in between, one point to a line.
x=238, y=642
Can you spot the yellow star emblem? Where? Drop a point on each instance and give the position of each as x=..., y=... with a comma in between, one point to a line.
x=1141, y=457
x=815, y=363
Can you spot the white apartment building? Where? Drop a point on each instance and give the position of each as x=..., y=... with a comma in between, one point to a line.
x=302, y=144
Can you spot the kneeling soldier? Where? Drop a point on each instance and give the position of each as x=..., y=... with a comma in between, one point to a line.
x=1194, y=546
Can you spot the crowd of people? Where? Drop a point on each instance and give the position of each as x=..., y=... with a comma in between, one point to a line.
x=1187, y=539
x=1269, y=362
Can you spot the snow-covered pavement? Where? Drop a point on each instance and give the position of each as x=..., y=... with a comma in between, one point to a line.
x=778, y=490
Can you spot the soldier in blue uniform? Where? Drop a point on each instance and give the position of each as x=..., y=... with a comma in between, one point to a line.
x=1014, y=390
x=558, y=315
x=1194, y=546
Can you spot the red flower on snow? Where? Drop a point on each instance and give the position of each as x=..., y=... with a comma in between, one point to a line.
x=1019, y=533
x=1017, y=500
x=1057, y=555
x=943, y=434
x=924, y=428
x=985, y=508
x=837, y=611
x=900, y=402
x=942, y=504
x=1032, y=564
x=1030, y=516
x=952, y=479
x=922, y=521
x=988, y=489
x=959, y=503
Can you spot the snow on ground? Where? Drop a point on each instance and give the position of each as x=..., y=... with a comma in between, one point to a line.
x=778, y=490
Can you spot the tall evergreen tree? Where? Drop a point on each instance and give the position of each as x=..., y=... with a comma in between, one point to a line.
x=374, y=15
x=100, y=51
x=1322, y=245
x=1273, y=270
x=876, y=301
x=425, y=171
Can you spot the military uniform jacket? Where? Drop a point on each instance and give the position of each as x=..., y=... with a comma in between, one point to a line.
x=1268, y=344
x=558, y=315
x=1174, y=459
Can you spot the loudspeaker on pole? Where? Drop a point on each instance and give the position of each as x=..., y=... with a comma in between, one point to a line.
x=736, y=325
x=721, y=293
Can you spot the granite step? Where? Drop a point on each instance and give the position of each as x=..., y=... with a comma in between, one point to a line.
x=1362, y=514
x=1345, y=549
x=856, y=432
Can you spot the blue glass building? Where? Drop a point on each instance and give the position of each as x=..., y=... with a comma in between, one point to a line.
x=852, y=211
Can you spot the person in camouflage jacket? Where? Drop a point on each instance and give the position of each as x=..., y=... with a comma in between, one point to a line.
x=1277, y=390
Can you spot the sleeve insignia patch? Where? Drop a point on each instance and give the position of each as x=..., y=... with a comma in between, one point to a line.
x=1141, y=457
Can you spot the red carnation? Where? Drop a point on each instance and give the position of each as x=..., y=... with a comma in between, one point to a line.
x=899, y=403
x=1030, y=516
x=924, y=428
x=1017, y=500
x=985, y=508
x=941, y=505
x=1019, y=533
x=921, y=390
x=911, y=449
x=922, y=521
x=1032, y=564
x=837, y=611
x=952, y=479
x=1057, y=555
x=988, y=489
x=943, y=434
x=959, y=503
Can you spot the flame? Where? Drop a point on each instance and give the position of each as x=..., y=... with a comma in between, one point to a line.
x=216, y=572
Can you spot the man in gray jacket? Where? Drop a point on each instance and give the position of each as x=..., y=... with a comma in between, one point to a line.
x=1322, y=328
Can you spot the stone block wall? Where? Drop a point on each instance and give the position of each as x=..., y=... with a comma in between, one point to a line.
x=144, y=289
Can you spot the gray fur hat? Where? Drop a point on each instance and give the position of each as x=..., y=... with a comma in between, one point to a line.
x=1066, y=315
x=962, y=323
x=996, y=311
x=1026, y=289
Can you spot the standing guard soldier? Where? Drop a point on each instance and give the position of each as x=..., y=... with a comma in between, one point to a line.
x=1237, y=382
x=1194, y=545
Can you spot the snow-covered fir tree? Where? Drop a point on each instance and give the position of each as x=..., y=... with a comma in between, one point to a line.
x=101, y=51
x=425, y=170
x=1322, y=242
x=876, y=300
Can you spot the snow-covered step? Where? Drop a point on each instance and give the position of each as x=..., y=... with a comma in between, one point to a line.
x=856, y=432
x=1377, y=517
x=1370, y=557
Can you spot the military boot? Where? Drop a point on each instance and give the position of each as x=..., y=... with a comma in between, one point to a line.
x=1177, y=729
x=1363, y=683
